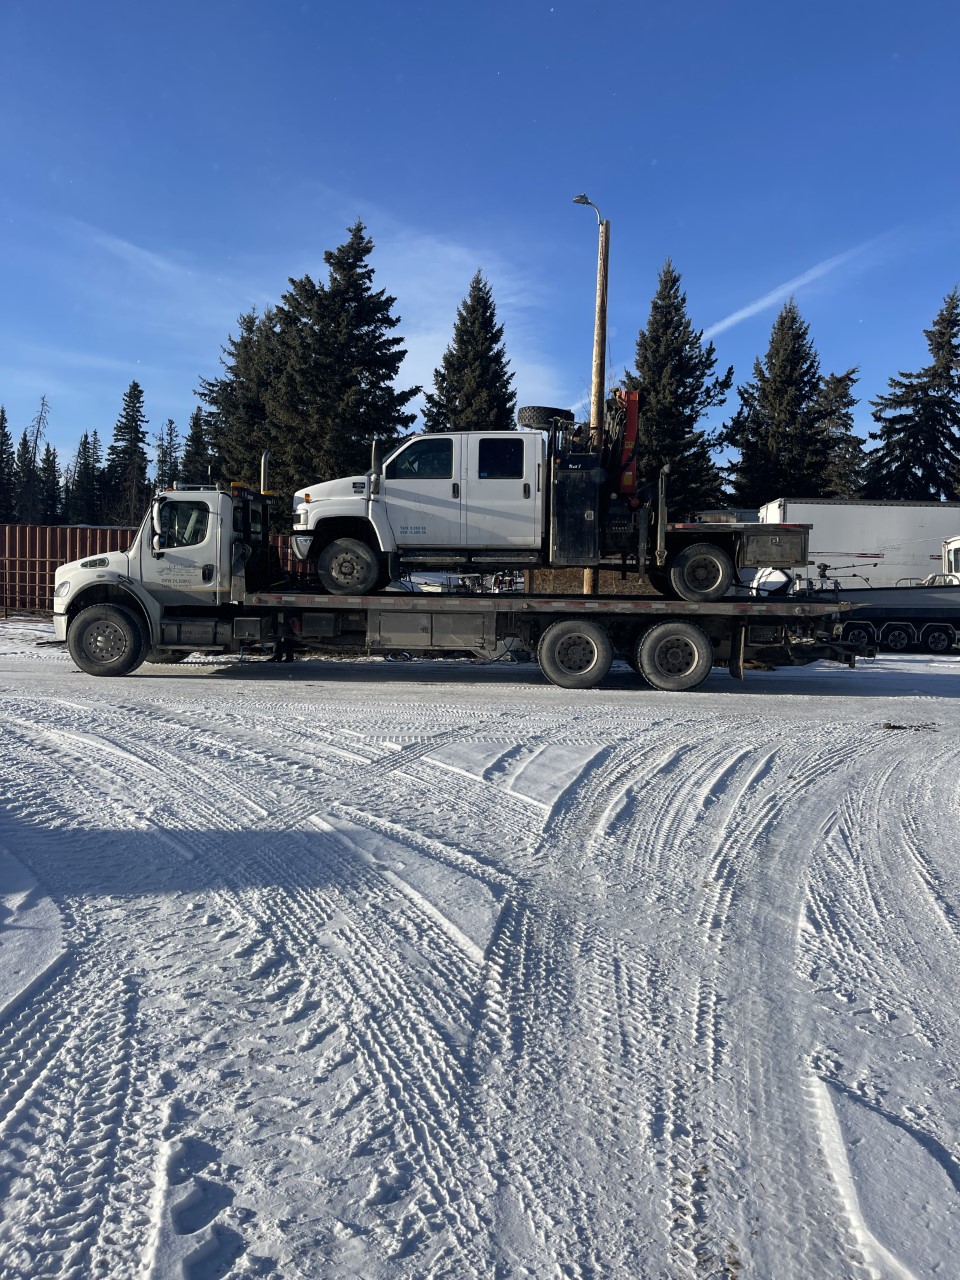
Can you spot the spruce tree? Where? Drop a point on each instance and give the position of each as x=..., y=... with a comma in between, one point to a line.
x=918, y=454
x=472, y=390
x=7, y=470
x=26, y=492
x=775, y=427
x=49, y=509
x=836, y=453
x=198, y=456
x=127, y=490
x=84, y=504
x=674, y=376
x=167, y=448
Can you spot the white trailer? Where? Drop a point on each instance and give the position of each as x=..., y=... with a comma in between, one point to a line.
x=876, y=544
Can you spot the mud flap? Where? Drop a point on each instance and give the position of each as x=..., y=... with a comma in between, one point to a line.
x=737, y=646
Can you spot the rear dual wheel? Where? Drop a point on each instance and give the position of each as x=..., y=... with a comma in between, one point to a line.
x=575, y=654
x=674, y=656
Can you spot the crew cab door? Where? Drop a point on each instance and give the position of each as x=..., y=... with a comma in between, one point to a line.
x=180, y=554
x=421, y=489
x=502, y=497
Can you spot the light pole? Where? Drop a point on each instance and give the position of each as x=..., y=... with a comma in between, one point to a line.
x=591, y=576
x=600, y=326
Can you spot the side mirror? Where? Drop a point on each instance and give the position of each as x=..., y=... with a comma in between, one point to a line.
x=158, y=544
x=158, y=540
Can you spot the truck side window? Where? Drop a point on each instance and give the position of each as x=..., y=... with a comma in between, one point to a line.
x=428, y=459
x=500, y=459
x=184, y=523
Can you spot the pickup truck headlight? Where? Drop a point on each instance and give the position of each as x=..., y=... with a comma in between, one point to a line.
x=62, y=589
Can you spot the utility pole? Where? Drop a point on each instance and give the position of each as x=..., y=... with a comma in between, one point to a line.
x=597, y=398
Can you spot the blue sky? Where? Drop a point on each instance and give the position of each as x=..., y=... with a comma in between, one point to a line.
x=164, y=168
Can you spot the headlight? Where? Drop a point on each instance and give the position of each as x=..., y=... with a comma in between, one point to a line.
x=63, y=589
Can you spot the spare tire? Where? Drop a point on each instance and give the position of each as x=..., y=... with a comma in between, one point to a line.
x=537, y=415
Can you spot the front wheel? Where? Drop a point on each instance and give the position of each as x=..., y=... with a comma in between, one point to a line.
x=674, y=656
x=701, y=572
x=348, y=567
x=107, y=640
x=574, y=654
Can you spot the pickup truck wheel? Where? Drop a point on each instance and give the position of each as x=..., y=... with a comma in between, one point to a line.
x=574, y=654
x=348, y=567
x=938, y=640
x=107, y=640
x=897, y=639
x=701, y=572
x=674, y=656
x=537, y=415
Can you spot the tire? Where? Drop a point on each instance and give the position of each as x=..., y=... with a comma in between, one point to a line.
x=856, y=633
x=536, y=415
x=897, y=639
x=347, y=567
x=165, y=659
x=674, y=656
x=938, y=640
x=574, y=654
x=107, y=640
x=701, y=572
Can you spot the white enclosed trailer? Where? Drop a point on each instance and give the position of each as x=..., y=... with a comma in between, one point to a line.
x=860, y=543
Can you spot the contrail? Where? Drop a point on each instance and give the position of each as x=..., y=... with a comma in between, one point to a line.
x=784, y=290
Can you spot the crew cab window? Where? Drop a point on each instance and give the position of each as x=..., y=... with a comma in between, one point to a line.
x=427, y=459
x=500, y=459
x=184, y=524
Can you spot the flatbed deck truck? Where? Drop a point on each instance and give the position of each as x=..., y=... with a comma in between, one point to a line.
x=200, y=575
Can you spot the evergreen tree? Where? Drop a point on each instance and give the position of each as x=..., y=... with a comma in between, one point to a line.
x=48, y=488
x=918, y=455
x=84, y=503
x=198, y=455
x=26, y=493
x=674, y=376
x=472, y=390
x=167, y=448
x=126, y=487
x=837, y=454
x=775, y=427
x=312, y=379
x=7, y=470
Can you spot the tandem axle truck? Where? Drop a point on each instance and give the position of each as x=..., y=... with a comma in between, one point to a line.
x=201, y=575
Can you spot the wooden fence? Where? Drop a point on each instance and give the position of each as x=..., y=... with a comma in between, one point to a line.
x=31, y=553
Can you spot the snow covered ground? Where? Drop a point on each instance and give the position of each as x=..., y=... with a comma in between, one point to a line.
x=374, y=969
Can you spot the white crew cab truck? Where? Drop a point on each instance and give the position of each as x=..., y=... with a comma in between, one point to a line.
x=525, y=499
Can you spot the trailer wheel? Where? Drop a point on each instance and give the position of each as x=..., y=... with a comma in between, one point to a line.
x=674, y=656
x=107, y=640
x=348, y=567
x=537, y=415
x=574, y=654
x=701, y=572
x=938, y=640
x=897, y=639
x=857, y=633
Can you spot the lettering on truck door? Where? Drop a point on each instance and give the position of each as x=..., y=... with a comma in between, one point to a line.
x=185, y=568
x=502, y=494
x=422, y=492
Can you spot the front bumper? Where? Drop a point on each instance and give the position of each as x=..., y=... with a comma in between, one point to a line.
x=60, y=621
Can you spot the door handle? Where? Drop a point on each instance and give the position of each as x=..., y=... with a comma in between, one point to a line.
x=456, y=489
x=526, y=490
x=206, y=573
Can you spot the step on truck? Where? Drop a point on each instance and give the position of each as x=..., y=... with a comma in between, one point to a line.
x=201, y=576
x=541, y=497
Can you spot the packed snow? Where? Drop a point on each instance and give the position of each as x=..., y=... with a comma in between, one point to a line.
x=354, y=969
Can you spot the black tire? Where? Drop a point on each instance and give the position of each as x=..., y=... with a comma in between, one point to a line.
x=857, y=633
x=107, y=640
x=938, y=640
x=537, y=415
x=674, y=656
x=897, y=639
x=701, y=572
x=574, y=654
x=347, y=567
x=164, y=659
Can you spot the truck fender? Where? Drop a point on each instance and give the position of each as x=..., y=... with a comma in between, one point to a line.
x=373, y=528
x=121, y=592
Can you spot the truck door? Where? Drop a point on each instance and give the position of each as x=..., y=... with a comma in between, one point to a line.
x=502, y=489
x=184, y=568
x=421, y=491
